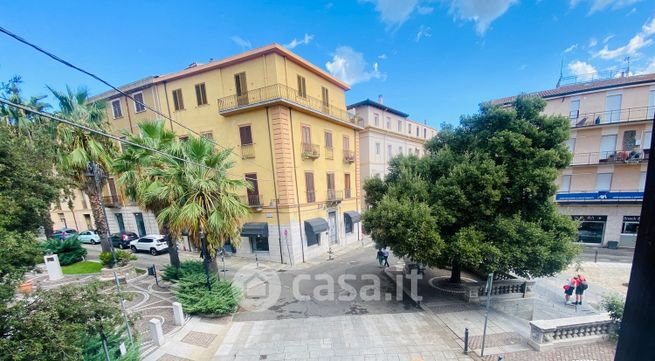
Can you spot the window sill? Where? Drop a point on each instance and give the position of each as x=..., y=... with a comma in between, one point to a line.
x=121, y=117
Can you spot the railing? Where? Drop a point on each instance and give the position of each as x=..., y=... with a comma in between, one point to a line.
x=247, y=151
x=604, y=195
x=612, y=116
x=346, y=193
x=507, y=287
x=333, y=195
x=348, y=156
x=311, y=151
x=611, y=157
x=281, y=91
x=329, y=153
x=311, y=196
x=591, y=77
x=112, y=201
x=545, y=334
x=253, y=200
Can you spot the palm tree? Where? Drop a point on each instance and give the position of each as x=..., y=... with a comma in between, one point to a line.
x=83, y=154
x=133, y=165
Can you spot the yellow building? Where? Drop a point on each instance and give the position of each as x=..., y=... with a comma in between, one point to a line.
x=611, y=130
x=291, y=136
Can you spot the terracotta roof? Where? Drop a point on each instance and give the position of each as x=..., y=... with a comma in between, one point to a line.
x=585, y=87
x=251, y=54
x=380, y=106
x=127, y=88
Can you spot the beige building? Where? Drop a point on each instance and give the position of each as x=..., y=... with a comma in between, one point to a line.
x=386, y=133
x=611, y=130
x=291, y=137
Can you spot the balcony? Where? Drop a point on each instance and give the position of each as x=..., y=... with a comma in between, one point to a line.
x=333, y=195
x=112, y=201
x=310, y=151
x=247, y=151
x=348, y=156
x=611, y=157
x=612, y=196
x=626, y=115
x=346, y=193
x=281, y=93
x=329, y=153
x=253, y=200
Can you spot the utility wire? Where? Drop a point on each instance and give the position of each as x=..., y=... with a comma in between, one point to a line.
x=104, y=134
x=68, y=64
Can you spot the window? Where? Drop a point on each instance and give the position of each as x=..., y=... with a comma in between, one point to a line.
x=119, y=221
x=258, y=243
x=607, y=146
x=201, y=94
x=139, y=105
x=325, y=97
x=87, y=220
x=302, y=89
x=376, y=118
x=651, y=105
x=642, y=181
x=346, y=182
x=565, y=184
x=331, y=186
x=145, y=240
x=574, y=111
x=613, y=108
x=346, y=143
x=306, y=135
x=630, y=228
x=116, y=108
x=425, y=133
x=245, y=133
x=647, y=138
x=570, y=143
x=629, y=140
x=62, y=219
x=140, y=225
x=178, y=102
x=328, y=139
x=240, y=84
x=253, y=193
x=417, y=130
x=400, y=125
x=309, y=187
x=409, y=128
x=388, y=123
x=377, y=148
x=208, y=135
x=603, y=182
x=389, y=150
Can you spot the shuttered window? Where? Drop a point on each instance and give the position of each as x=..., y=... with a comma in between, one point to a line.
x=116, y=108
x=139, y=105
x=346, y=143
x=309, y=187
x=245, y=133
x=603, y=182
x=326, y=96
x=306, y=135
x=328, y=140
x=178, y=102
x=330, y=182
x=201, y=94
x=302, y=89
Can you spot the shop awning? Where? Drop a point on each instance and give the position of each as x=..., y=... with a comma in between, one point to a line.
x=254, y=229
x=352, y=215
x=316, y=225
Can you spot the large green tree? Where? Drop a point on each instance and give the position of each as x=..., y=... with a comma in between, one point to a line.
x=488, y=185
x=80, y=151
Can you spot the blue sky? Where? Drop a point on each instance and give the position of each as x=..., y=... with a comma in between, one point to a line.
x=434, y=59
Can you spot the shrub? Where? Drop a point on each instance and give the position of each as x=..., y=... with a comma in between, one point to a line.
x=69, y=250
x=192, y=293
x=614, y=304
x=186, y=268
x=123, y=258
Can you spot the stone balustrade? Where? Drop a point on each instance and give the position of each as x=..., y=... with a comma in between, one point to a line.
x=545, y=334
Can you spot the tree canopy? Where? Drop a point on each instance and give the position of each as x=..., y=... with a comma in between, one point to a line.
x=486, y=187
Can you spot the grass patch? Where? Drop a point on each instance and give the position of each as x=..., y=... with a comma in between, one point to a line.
x=83, y=267
x=140, y=271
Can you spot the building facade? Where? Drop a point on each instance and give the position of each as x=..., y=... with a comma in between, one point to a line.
x=291, y=137
x=386, y=133
x=610, y=138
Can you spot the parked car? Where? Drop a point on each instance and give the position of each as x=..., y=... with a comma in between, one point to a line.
x=89, y=236
x=64, y=233
x=153, y=243
x=123, y=239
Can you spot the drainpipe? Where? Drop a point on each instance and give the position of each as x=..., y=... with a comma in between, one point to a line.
x=295, y=174
x=277, y=200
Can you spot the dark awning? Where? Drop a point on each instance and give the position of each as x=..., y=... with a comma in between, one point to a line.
x=316, y=225
x=354, y=216
x=255, y=229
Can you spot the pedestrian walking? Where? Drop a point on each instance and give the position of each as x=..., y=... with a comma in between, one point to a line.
x=385, y=255
x=581, y=286
x=380, y=257
x=568, y=290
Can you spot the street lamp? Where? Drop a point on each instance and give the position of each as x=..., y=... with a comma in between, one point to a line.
x=205, y=256
x=93, y=172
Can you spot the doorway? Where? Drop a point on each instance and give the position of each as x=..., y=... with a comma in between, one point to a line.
x=140, y=225
x=332, y=223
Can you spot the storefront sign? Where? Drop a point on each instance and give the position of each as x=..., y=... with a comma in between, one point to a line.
x=590, y=218
x=599, y=196
x=631, y=218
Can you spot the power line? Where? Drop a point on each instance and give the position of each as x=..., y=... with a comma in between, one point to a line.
x=104, y=134
x=68, y=64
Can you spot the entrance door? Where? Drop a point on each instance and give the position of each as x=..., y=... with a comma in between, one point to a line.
x=241, y=86
x=332, y=223
x=140, y=224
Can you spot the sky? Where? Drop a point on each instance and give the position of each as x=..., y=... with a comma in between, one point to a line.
x=433, y=59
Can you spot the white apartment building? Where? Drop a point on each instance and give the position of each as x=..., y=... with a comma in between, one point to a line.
x=387, y=132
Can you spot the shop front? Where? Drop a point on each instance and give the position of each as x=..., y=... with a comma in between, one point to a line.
x=591, y=229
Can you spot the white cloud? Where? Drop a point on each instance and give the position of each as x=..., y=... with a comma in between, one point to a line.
x=598, y=5
x=423, y=32
x=242, y=43
x=304, y=41
x=592, y=42
x=349, y=66
x=634, y=10
x=636, y=43
x=482, y=12
x=394, y=12
x=382, y=56
x=581, y=69
x=650, y=68
x=425, y=10
x=608, y=38
x=571, y=48
x=649, y=28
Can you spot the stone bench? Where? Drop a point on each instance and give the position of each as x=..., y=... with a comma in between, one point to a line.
x=545, y=334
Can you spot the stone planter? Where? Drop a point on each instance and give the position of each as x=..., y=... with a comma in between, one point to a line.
x=124, y=273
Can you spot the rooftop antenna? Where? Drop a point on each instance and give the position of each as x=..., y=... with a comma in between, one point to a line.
x=561, y=73
x=627, y=60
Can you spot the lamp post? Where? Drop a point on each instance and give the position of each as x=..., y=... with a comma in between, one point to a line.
x=92, y=172
x=205, y=256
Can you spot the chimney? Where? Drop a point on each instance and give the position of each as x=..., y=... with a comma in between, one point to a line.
x=380, y=99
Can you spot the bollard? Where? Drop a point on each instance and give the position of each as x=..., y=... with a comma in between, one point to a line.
x=156, y=332
x=178, y=314
x=596, y=257
x=466, y=340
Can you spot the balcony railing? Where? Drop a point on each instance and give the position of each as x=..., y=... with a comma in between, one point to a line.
x=348, y=156
x=253, y=200
x=611, y=157
x=112, y=201
x=311, y=196
x=310, y=151
x=613, y=116
x=329, y=153
x=281, y=92
x=333, y=195
x=247, y=151
x=346, y=193
x=616, y=195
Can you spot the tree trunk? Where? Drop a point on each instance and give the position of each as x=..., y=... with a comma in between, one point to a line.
x=213, y=266
x=173, y=253
x=456, y=273
x=98, y=215
x=48, y=226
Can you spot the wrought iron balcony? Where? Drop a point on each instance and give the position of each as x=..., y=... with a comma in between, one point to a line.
x=280, y=92
x=611, y=157
x=247, y=151
x=346, y=193
x=112, y=201
x=253, y=200
x=630, y=195
x=310, y=151
x=613, y=116
x=333, y=195
x=329, y=153
x=348, y=156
